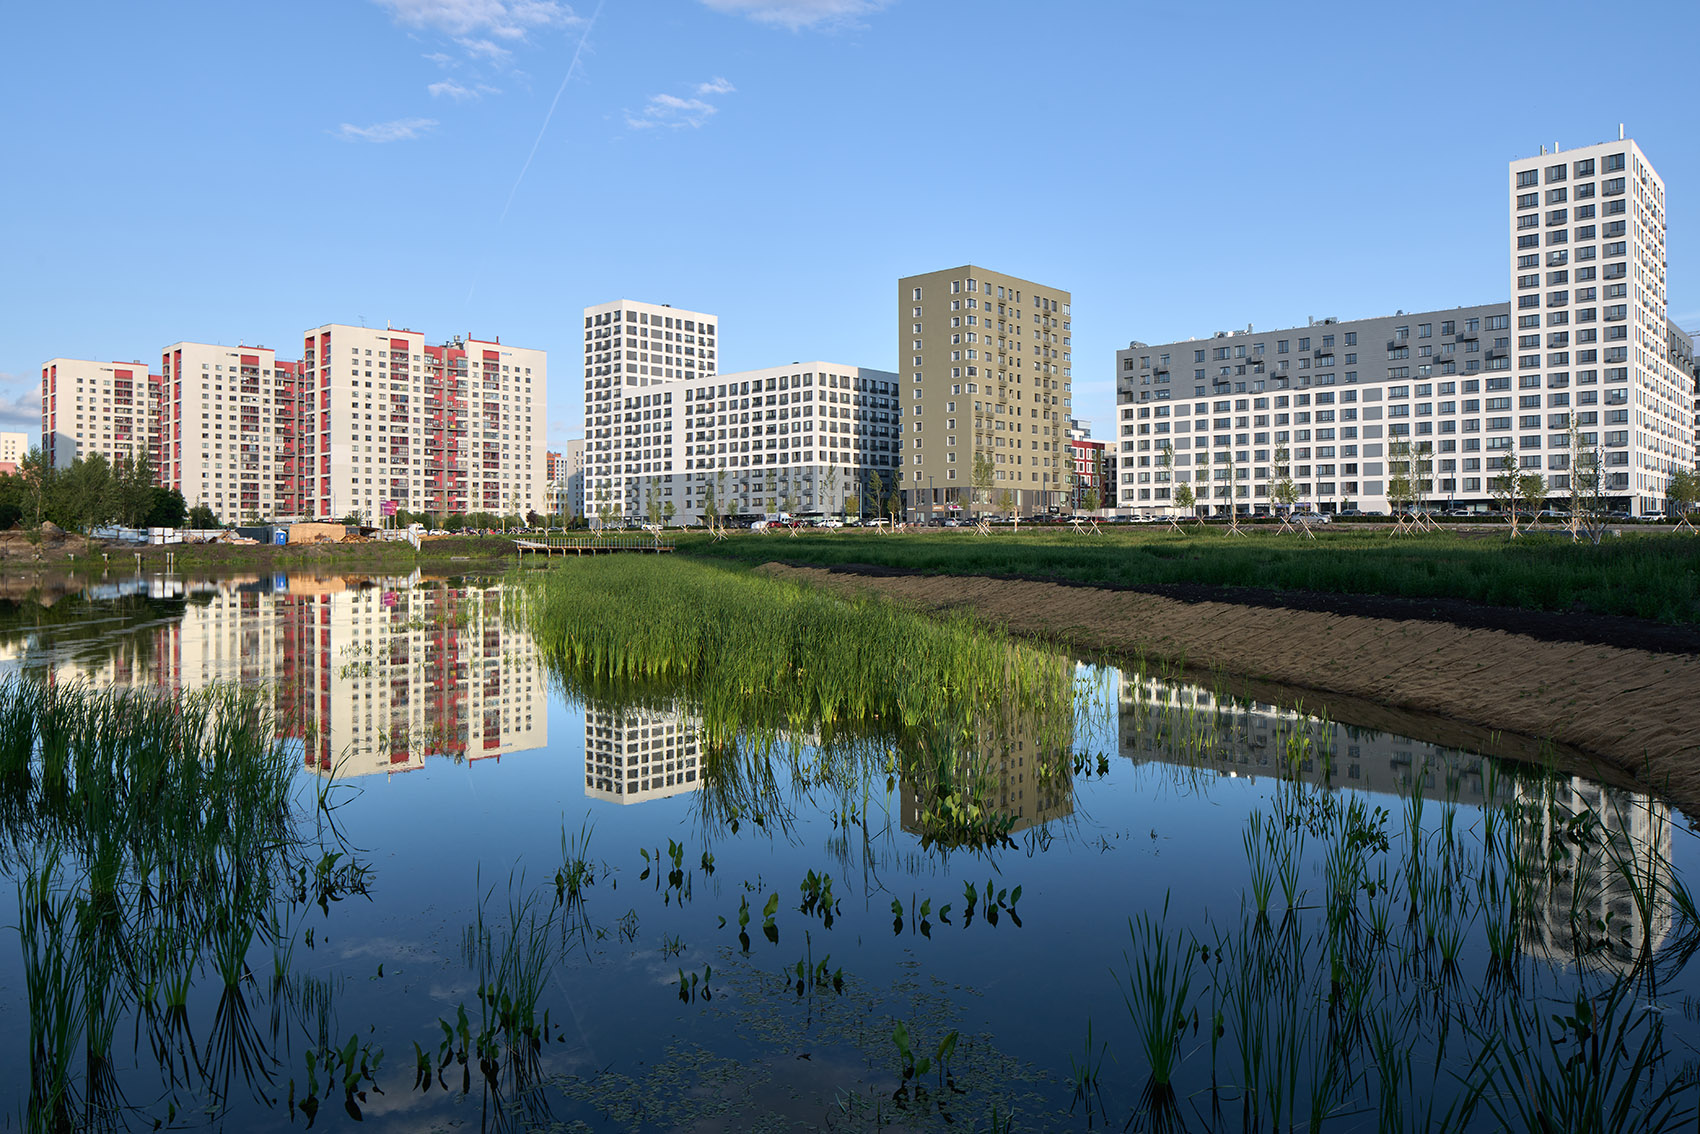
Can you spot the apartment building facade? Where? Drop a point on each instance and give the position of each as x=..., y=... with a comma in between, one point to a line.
x=1086, y=468
x=14, y=447
x=1588, y=274
x=988, y=378
x=90, y=407
x=1585, y=341
x=1227, y=415
x=628, y=347
x=447, y=428
x=223, y=428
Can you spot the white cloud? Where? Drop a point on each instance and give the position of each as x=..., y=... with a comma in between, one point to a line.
x=473, y=19
x=20, y=405
x=441, y=59
x=671, y=111
x=675, y=113
x=448, y=88
x=400, y=130
x=485, y=49
x=798, y=14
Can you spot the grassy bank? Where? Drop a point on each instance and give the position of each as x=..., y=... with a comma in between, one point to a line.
x=1654, y=577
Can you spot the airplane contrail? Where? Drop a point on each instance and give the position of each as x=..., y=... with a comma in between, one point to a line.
x=571, y=68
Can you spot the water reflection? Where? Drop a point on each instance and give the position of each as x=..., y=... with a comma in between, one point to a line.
x=1588, y=851
x=370, y=674
x=636, y=755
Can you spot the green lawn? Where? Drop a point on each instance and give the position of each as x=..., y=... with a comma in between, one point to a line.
x=1654, y=576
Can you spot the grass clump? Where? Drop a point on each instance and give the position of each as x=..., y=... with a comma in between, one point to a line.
x=154, y=840
x=782, y=678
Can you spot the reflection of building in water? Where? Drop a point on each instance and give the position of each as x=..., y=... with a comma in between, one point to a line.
x=1019, y=777
x=369, y=677
x=1590, y=870
x=634, y=755
x=1577, y=884
x=1187, y=726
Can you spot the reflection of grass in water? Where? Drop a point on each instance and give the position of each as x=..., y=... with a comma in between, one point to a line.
x=794, y=687
x=154, y=838
x=1362, y=996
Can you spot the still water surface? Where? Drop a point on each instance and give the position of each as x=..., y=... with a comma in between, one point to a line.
x=466, y=776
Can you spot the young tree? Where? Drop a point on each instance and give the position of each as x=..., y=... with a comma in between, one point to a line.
x=1183, y=497
x=1532, y=492
x=1093, y=501
x=667, y=513
x=1006, y=502
x=1284, y=491
x=652, y=505
x=1400, y=492
x=38, y=476
x=201, y=517
x=876, y=489
x=1422, y=478
x=1503, y=486
x=1684, y=493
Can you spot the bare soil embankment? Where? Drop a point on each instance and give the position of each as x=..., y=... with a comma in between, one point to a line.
x=1625, y=693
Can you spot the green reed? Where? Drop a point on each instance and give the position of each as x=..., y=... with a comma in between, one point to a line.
x=153, y=839
x=792, y=688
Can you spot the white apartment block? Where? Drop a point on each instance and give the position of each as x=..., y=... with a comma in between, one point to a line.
x=92, y=407
x=14, y=447
x=629, y=346
x=222, y=431
x=454, y=428
x=1586, y=338
x=807, y=437
x=635, y=755
x=1587, y=266
x=1331, y=397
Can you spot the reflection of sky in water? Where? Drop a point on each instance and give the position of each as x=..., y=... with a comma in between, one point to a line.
x=354, y=660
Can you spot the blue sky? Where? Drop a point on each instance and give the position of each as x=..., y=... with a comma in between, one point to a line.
x=241, y=172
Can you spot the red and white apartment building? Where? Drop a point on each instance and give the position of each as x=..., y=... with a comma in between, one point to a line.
x=90, y=407
x=1087, y=459
x=364, y=417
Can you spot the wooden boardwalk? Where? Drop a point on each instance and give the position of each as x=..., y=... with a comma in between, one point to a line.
x=594, y=545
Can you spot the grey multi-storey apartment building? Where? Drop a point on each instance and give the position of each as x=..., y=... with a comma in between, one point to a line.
x=1585, y=342
x=1328, y=399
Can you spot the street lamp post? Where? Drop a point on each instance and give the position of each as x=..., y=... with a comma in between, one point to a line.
x=931, y=500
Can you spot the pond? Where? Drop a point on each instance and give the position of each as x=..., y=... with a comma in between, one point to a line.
x=612, y=853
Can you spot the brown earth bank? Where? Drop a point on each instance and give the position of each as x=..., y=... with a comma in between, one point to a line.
x=1620, y=710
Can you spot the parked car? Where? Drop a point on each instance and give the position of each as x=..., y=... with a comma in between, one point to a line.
x=1353, y=512
x=1311, y=518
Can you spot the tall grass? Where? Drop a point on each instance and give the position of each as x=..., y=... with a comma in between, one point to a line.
x=790, y=685
x=1370, y=999
x=152, y=839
